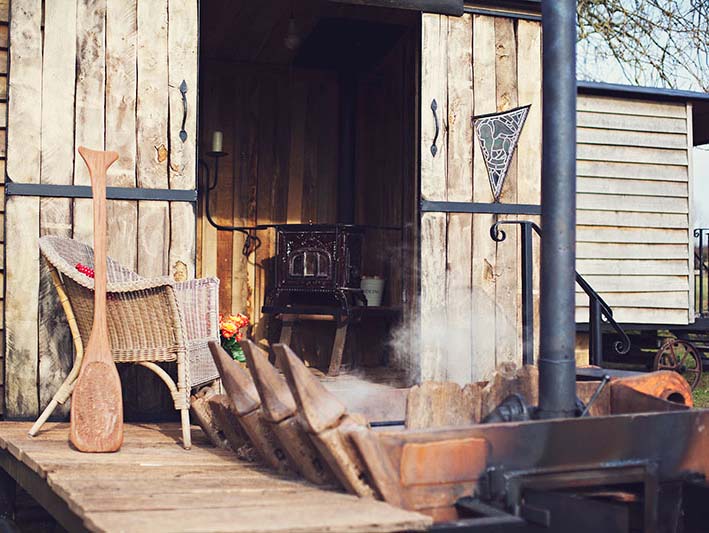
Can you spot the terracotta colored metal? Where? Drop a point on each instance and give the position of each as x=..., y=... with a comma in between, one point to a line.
x=665, y=384
x=97, y=404
x=327, y=422
x=247, y=407
x=278, y=408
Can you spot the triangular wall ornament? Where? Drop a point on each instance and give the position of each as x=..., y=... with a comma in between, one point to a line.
x=498, y=134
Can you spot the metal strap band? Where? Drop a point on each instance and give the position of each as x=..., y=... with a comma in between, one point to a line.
x=112, y=193
x=428, y=206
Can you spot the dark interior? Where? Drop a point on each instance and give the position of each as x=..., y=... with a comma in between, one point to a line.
x=317, y=102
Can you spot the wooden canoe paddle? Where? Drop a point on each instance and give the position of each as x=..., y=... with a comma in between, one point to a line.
x=96, y=404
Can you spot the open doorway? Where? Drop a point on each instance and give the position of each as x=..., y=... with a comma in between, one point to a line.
x=317, y=105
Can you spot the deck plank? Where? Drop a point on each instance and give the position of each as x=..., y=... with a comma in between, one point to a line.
x=152, y=484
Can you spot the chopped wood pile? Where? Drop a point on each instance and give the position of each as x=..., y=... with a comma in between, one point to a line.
x=291, y=422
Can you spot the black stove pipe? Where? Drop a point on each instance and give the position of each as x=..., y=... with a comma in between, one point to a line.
x=557, y=365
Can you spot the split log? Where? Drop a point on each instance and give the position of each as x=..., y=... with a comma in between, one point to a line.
x=247, y=408
x=506, y=380
x=202, y=413
x=326, y=420
x=278, y=408
x=227, y=421
x=438, y=404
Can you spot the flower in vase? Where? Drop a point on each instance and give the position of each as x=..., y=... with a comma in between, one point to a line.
x=230, y=327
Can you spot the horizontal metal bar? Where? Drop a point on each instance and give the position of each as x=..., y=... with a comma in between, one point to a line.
x=504, y=14
x=428, y=206
x=112, y=193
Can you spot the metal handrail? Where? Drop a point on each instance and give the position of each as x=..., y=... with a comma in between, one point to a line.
x=599, y=310
x=701, y=299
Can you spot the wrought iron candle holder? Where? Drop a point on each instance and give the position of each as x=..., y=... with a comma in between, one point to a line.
x=251, y=241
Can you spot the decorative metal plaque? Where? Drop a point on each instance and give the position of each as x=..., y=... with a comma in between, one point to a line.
x=498, y=134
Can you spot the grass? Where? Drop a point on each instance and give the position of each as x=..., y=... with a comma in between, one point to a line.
x=701, y=393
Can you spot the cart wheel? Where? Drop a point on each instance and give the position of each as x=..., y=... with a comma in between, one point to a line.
x=682, y=357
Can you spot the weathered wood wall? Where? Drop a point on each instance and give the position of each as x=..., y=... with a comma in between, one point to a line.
x=470, y=285
x=104, y=74
x=281, y=130
x=281, y=133
x=634, y=237
x=4, y=42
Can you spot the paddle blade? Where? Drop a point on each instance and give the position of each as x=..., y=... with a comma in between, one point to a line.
x=97, y=409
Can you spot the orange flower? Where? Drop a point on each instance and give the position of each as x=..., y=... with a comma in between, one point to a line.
x=228, y=329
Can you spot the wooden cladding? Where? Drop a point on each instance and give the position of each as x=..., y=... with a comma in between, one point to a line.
x=281, y=133
x=4, y=55
x=470, y=285
x=105, y=75
x=634, y=231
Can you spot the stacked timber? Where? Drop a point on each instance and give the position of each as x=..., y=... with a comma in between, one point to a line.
x=299, y=428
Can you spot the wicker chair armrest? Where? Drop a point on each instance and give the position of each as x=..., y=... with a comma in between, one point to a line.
x=139, y=284
x=199, y=306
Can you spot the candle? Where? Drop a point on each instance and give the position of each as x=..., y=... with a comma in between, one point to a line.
x=217, y=139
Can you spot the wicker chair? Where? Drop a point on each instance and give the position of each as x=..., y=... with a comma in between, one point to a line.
x=149, y=321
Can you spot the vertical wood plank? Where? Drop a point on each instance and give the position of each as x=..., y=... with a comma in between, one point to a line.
x=152, y=136
x=245, y=181
x=460, y=188
x=223, y=197
x=483, y=248
x=22, y=213
x=434, y=315
x=121, y=87
x=90, y=101
x=327, y=151
x=208, y=114
x=58, y=73
x=507, y=317
x=434, y=86
x=183, y=44
x=299, y=102
x=529, y=163
x=267, y=171
x=434, y=51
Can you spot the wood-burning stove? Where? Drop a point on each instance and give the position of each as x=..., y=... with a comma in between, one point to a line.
x=318, y=263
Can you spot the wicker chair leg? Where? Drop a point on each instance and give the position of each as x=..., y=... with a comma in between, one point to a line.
x=179, y=396
x=64, y=392
x=186, y=430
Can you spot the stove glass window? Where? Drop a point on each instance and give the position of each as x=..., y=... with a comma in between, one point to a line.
x=309, y=264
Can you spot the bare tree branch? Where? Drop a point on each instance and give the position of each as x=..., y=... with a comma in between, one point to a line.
x=648, y=42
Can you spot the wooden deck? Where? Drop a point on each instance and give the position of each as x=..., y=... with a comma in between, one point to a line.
x=152, y=484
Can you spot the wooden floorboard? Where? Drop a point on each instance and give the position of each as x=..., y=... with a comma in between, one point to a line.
x=152, y=484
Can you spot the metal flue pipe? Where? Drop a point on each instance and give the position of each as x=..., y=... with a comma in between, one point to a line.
x=557, y=365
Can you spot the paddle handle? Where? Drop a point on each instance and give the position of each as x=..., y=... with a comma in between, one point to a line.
x=98, y=163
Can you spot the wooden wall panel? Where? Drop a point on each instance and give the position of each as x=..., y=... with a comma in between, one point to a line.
x=493, y=64
x=281, y=131
x=634, y=187
x=59, y=67
x=4, y=45
x=22, y=213
x=121, y=87
x=51, y=112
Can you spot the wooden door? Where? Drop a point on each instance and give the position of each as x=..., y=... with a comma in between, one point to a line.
x=105, y=74
x=470, y=285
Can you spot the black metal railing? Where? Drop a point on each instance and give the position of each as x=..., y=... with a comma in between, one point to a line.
x=599, y=312
x=701, y=272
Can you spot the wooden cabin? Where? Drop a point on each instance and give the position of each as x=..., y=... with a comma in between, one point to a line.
x=331, y=112
x=635, y=230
